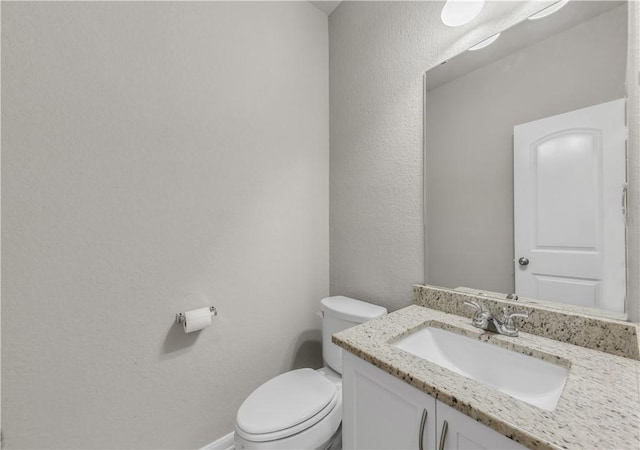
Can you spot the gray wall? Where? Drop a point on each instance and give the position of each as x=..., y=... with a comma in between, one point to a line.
x=379, y=52
x=151, y=150
x=469, y=141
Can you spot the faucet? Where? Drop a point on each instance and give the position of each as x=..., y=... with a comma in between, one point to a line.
x=485, y=320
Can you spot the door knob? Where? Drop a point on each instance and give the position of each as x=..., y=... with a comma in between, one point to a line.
x=523, y=261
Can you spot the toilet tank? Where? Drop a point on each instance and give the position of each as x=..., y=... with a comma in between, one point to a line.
x=340, y=313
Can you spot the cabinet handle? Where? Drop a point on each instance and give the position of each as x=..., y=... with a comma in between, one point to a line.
x=443, y=435
x=423, y=422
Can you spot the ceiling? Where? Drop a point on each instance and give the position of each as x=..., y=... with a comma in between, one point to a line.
x=325, y=6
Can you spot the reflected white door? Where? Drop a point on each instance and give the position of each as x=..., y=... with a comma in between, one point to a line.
x=569, y=175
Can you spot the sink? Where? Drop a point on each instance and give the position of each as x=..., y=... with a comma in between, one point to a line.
x=524, y=377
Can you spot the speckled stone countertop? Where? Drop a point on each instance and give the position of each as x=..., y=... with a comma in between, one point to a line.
x=598, y=409
x=574, y=327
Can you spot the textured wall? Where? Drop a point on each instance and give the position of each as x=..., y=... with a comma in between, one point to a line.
x=151, y=150
x=379, y=52
x=469, y=175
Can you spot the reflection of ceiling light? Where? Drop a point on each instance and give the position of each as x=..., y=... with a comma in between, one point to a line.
x=487, y=42
x=458, y=12
x=548, y=10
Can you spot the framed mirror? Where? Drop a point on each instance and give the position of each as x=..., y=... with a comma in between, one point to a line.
x=525, y=162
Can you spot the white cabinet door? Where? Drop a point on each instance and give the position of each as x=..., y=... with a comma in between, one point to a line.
x=381, y=411
x=463, y=432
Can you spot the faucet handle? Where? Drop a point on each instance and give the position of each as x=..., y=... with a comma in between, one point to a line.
x=508, y=317
x=480, y=317
x=476, y=306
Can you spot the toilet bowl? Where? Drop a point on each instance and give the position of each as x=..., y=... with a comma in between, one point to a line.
x=302, y=409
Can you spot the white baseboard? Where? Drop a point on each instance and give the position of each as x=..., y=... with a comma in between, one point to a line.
x=224, y=443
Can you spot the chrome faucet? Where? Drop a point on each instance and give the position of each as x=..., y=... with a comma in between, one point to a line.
x=485, y=320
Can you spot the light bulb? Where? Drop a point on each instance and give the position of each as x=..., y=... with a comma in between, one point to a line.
x=487, y=42
x=548, y=10
x=459, y=12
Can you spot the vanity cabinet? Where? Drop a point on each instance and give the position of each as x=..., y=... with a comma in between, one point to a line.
x=463, y=432
x=381, y=411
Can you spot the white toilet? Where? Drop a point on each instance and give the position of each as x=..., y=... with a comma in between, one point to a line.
x=302, y=409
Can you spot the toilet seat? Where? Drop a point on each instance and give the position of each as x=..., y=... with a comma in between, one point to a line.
x=286, y=405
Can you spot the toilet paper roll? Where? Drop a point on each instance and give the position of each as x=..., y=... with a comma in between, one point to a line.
x=196, y=320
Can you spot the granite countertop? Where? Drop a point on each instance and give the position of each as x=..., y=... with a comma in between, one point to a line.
x=599, y=407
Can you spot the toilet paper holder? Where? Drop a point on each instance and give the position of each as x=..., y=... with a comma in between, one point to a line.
x=180, y=316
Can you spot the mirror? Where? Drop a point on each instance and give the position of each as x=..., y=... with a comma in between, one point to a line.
x=525, y=162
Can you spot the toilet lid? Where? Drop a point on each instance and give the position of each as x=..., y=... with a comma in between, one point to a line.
x=286, y=401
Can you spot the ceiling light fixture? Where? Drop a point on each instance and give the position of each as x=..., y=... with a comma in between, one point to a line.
x=487, y=42
x=460, y=12
x=548, y=10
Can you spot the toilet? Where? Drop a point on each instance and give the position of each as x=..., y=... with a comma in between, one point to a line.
x=302, y=409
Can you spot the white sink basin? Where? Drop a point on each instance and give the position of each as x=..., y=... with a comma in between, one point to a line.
x=523, y=377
